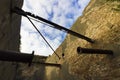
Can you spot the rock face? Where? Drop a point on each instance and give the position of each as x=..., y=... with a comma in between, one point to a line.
x=100, y=21
x=9, y=35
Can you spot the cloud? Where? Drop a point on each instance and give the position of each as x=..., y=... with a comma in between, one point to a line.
x=62, y=12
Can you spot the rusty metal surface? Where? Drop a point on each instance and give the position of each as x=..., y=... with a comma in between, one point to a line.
x=93, y=51
x=51, y=24
x=12, y=56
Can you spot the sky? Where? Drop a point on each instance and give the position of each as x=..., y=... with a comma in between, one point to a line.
x=62, y=12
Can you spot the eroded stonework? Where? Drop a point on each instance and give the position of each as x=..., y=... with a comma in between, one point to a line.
x=100, y=21
x=9, y=35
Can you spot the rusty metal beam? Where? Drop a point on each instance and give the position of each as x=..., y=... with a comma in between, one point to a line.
x=54, y=25
x=48, y=64
x=40, y=57
x=93, y=51
x=12, y=56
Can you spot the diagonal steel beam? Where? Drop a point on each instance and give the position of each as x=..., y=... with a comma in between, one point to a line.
x=23, y=13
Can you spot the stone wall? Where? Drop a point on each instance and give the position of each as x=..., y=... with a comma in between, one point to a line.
x=9, y=35
x=100, y=21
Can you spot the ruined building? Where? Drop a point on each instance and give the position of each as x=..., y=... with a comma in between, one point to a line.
x=100, y=21
x=9, y=35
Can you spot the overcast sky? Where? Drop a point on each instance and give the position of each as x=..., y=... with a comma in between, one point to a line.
x=62, y=12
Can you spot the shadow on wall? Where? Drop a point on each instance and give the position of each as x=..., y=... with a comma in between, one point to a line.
x=62, y=74
x=34, y=72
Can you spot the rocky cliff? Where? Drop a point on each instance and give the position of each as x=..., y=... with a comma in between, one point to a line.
x=9, y=35
x=100, y=21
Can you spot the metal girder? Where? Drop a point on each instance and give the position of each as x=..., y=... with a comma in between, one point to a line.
x=23, y=13
x=12, y=56
x=93, y=51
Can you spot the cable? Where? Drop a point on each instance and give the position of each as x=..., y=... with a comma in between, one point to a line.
x=40, y=22
x=22, y=12
x=43, y=23
x=43, y=37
